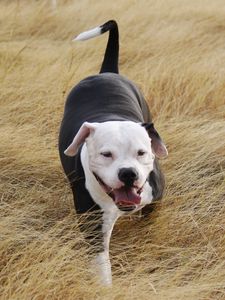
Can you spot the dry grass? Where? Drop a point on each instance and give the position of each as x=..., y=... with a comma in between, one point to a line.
x=175, y=51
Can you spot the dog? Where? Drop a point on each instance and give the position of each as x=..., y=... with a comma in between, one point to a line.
x=109, y=147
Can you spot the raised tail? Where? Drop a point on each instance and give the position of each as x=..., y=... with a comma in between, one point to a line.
x=111, y=57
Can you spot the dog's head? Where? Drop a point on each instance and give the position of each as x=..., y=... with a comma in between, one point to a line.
x=121, y=156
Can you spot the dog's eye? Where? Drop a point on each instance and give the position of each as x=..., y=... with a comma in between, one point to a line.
x=141, y=152
x=106, y=154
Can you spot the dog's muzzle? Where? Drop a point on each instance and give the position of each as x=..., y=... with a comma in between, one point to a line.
x=128, y=176
x=126, y=198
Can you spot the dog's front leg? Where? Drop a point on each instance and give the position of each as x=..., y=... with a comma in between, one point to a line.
x=103, y=266
x=102, y=260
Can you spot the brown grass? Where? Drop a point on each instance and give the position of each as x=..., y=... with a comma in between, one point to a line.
x=175, y=51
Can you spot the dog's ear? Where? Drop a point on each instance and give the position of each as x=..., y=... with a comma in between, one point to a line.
x=79, y=138
x=158, y=147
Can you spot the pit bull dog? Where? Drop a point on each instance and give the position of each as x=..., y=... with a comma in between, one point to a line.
x=109, y=147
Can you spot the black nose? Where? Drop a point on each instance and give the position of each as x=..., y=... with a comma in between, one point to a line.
x=128, y=176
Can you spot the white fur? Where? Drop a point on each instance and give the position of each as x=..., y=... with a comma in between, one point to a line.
x=100, y=197
x=123, y=139
x=88, y=34
x=110, y=214
x=102, y=268
x=92, y=185
x=102, y=260
x=146, y=195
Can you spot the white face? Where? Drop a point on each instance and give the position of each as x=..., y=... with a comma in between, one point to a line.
x=115, y=145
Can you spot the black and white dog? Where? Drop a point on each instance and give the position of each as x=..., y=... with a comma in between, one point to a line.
x=109, y=147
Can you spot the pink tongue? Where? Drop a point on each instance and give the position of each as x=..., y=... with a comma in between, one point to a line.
x=126, y=196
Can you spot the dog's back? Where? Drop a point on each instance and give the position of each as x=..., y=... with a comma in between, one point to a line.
x=103, y=97
x=100, y=98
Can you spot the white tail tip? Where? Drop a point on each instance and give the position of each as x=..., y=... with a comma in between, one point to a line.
x=86, y=35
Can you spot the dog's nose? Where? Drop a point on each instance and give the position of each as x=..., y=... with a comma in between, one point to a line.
x=128, y=176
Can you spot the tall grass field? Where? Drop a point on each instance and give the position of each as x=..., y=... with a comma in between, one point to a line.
x=175, y=52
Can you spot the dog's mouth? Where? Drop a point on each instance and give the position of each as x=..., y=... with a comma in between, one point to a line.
x=126, y=198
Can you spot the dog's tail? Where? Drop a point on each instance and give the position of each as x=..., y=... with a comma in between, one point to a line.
x=110, y=61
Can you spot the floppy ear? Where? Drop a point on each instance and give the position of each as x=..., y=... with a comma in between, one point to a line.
x=79, y=138
x=158, y=147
